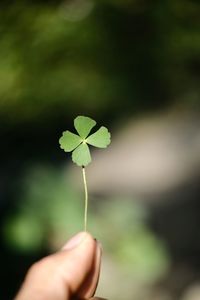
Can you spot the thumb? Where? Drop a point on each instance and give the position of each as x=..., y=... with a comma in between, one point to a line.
x=71, y=272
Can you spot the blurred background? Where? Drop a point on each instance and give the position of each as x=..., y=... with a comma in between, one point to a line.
x=134, y=66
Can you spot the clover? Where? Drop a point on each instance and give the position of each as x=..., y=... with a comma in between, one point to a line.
x=78, y=144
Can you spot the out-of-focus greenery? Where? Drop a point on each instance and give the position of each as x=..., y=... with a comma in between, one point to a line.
x=97, y=56
x=49, y=205
x=50, y=210
x=106, y=59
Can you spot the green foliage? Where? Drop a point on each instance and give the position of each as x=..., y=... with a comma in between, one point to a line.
x=121, y=225
x=123, y=54
x=78, y=144
x=19, y=231
x=50, y=210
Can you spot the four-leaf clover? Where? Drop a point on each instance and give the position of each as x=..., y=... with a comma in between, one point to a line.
x=79, y=143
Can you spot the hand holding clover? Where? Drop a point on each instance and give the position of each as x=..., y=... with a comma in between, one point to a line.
x=73, y=272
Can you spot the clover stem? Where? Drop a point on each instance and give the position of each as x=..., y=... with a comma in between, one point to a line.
x=86, y=199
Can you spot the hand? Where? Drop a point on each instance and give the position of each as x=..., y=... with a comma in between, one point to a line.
x=71, y=273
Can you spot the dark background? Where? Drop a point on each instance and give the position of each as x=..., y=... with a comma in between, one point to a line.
x=114, y=61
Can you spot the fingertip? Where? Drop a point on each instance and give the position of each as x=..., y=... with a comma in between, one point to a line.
x=77, y=239
x=87, y=254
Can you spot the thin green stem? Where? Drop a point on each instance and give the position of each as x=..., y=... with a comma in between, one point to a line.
x=86, y=199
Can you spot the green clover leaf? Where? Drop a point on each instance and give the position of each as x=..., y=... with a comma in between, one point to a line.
x=79, y=143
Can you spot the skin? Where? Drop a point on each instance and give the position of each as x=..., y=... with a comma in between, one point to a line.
x=71, y=273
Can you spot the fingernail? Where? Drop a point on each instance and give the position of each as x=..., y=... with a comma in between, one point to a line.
x=74, y=241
